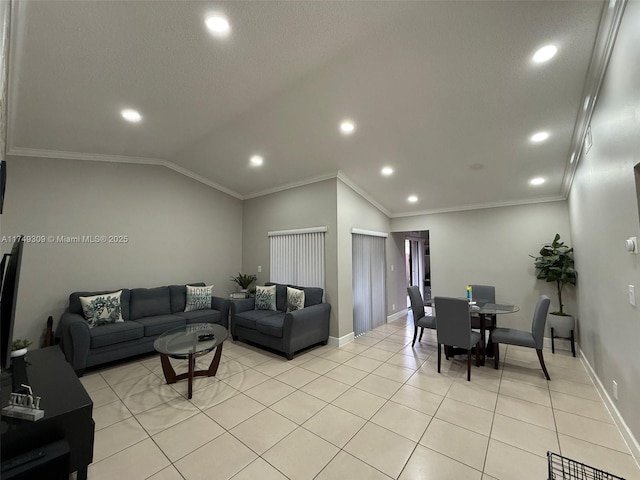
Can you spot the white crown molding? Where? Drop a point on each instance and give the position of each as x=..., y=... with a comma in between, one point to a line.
x=93, y=157
x=356, y=188
x=288, y=186
x=607, y=32
x=480, y=206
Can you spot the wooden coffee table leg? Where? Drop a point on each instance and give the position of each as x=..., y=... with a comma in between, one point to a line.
x=213, y=367
x=192, y=365
x=167, y=369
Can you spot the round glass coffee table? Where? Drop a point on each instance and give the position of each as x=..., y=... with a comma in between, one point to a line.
x=189, y=342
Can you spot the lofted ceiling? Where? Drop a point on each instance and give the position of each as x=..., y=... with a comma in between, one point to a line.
x=444, y=92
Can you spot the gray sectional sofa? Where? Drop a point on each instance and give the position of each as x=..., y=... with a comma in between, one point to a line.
x=279, y=330
x=147, y=313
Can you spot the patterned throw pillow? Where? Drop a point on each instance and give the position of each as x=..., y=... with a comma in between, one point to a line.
x=198, y=298
x=102, y=309
x=266, y=298
x=295, y=299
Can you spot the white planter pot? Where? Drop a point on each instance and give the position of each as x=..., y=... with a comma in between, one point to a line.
x=561, y=324
x=19, y=353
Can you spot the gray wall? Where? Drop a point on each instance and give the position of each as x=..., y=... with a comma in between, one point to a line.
x=179, y=231
x=312, y=205
x=353, y=212
x=604, y=212
x=490, y=246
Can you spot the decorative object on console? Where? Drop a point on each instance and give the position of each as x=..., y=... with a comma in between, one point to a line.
x=19, y=347
x=102, y=309
x=556, y=264
x=295, y=299
x=266, y=298
x=24, y=406
x=198, y=298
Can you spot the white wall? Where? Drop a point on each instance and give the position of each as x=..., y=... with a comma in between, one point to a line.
x=353, y=212
x=604, y=212
x=179, y=231
x=491, y=247
x=311, y=205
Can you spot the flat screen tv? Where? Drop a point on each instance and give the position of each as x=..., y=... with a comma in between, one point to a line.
x=10, y=277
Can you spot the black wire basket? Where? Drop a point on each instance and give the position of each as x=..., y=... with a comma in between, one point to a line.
x=563, y=468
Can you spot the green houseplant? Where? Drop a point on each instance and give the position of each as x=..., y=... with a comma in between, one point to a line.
x=19, y=347
x=243, y=280
x=556, y=264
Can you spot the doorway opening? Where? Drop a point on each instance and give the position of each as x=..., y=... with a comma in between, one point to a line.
x=418, y=264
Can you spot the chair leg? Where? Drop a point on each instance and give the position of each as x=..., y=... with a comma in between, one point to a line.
x=553, y=345
x=415, y=334
x=496, y=355
x=477, y=354
x=439, y=356
x=573, y=344
x=469, y=365
x=544, y=368
x=421, y=332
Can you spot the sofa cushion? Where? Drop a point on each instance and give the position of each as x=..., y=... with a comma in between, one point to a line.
x=295, y=299
x=249, y=318
x=115, y=333
x=201, y=316
x=266, y=297
x=102, y=309
x=178, y=294
x=76, y=307
x=271, y=325
x=148, y=302
x=198, y=298
x=160, y=323
x=312, y=296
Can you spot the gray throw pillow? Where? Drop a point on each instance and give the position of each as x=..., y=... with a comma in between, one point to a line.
x=266, y=298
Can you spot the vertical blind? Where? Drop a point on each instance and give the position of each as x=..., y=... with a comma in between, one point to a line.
x=297, y=257
x=368, y=282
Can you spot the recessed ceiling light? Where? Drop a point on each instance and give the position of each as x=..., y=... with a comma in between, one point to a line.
x=218, y=25
x=131, y=115
x=412, y=199
x=256, y=160
x=387, y=171
x=537, y=181
x=347, y=127
x=545, y=53
x=539, y=137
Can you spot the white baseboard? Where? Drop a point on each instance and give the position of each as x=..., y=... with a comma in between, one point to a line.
x=628, y=436
x=339, y=342
x=397, y=315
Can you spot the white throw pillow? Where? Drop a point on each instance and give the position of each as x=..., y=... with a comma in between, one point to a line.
x=295, y=299
x=266, y=298
x=198, y=298
x=102, y=309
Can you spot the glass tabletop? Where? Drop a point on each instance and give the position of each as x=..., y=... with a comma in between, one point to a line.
x=197, y=338
x=488, y=308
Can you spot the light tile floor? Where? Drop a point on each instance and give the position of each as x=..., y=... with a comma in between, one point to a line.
x=373, y=409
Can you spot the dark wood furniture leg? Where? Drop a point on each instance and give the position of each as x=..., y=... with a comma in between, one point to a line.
x=170, y=374
x=415, y=335
x=573, y=344
x=544, y=368
x=553, y=346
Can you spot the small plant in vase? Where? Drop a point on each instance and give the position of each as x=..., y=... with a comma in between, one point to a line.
x=244, y=281
x=19, y=347
x=555, y=264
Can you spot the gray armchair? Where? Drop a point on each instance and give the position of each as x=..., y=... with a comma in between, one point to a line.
x=533, y=339
x=419, y=318
x=454, y=328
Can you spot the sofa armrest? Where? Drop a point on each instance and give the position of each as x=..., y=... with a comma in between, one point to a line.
x=309, y=322
x=223, y=305
x=242, y=305
x=76, y=339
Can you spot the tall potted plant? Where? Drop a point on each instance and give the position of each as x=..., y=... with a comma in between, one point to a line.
x=555, y=264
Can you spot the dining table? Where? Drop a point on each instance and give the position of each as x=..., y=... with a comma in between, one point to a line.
x=487, y=312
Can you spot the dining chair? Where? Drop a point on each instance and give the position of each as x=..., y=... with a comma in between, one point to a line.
x=420, y=319
x=484, y=294
x=454, y=328
x=532, y=339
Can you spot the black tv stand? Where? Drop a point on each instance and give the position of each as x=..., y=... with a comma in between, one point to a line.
x=67, y=409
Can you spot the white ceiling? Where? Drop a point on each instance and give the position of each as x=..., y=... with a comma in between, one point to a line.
x=444, y=92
